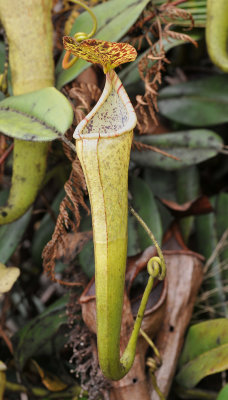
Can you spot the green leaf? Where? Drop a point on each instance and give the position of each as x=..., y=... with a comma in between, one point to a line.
x=144, y=203
x=43, y=234
x=34, y=336
x=222, y=224
x=2, y=57
x=216, y=360
x=205, y=352
x=196, y=103
x=86, y=255
x=42, y=115
x=204, y=337
x=207, y=239
x=188, y=189
x=133, y=246
x=223, y=394
x=11, y=234
x=191, y=147
x=163, y=185
x=86, y=259
x=114, y=19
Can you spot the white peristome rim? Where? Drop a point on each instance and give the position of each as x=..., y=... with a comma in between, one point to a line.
x=112, y=81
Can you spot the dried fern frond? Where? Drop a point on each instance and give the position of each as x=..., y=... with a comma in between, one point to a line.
x=83, y=96
x=74, y=188
x=157, y=23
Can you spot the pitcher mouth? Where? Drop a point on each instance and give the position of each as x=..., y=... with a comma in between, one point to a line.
x=112, y=116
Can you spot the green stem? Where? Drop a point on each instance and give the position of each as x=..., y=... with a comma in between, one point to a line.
x=25, y=181
x=217, y=32
x=32, y=68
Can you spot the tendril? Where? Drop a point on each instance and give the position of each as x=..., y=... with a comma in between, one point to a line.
x=79, y=36
x=156, y=265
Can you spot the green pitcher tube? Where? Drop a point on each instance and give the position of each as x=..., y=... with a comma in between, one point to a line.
x=217, y=32
x=103, y=144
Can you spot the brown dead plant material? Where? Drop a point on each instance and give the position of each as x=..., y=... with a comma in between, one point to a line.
x=198, y=206
x=185, y=274
x=158, y=22
x=83, y=96
x=84, y=361
x=74, y=188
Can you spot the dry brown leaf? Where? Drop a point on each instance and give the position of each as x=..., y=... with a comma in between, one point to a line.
x=184, y=274
x=8, y=276
x=50, y=381
x=198, y=206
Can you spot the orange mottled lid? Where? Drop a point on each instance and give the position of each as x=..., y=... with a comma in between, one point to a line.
x=109, y=54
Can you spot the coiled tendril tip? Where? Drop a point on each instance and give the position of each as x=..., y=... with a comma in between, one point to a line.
x=80, y=36
x=156, y=268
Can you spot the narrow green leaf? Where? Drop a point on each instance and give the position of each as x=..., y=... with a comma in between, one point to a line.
x=212, y=362
x=2, y=57
x=133, y=246
x=114, y=18
x=222, y=224
x=191, y=147
x=144, y=203
x=207, y=239
x=11, y=234
x=163, y=185
x=223, y=394
x=33, y=337
x=86, y=259
x=188, y=188
x=86, y=255
x=196, y=103
x=205, y=352
x=204, y=337
x=42, y=115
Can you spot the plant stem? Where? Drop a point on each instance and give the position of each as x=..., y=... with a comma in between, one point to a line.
x=29, y=32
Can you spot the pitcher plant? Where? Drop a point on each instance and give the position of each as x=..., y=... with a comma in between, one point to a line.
x=217, y=32
x=103, y=144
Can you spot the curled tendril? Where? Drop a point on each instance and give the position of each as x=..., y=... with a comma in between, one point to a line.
x=79, y=36
x=156, y=265
x=155, y=268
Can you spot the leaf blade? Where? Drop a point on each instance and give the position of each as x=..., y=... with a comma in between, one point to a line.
x=196, y=103
x=42, y=115
x=191, y=147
